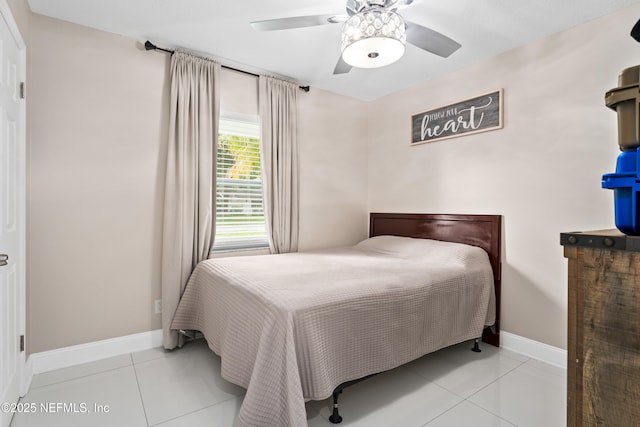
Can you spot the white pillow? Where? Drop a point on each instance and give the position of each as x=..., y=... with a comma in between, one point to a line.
x=428, y=249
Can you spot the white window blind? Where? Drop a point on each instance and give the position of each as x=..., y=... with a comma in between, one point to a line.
x=240, y=220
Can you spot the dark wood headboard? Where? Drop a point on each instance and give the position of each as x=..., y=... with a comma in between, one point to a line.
x=484, y=231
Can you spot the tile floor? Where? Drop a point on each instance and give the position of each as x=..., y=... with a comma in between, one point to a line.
x=453, y=387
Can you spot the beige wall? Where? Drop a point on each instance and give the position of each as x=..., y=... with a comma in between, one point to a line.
x=99, y=122
x=332, y=134
x=542, y=171
x=98, y=106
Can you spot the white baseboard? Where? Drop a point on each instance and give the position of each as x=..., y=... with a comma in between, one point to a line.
x=534, y=349
x=75, y=355
x=84, y=353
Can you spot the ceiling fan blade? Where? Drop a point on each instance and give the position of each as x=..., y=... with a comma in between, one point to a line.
x=431, y=40
x=293, y=22
x=341, y=67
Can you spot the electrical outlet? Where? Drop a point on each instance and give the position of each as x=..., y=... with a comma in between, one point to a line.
x=158, y=306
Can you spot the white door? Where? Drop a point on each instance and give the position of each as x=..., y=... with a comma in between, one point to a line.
x=12, y=212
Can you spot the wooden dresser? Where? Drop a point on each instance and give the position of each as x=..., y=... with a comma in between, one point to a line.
x=603, y=370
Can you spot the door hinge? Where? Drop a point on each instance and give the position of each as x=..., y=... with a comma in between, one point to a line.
x=21, y=343
x=22, y=90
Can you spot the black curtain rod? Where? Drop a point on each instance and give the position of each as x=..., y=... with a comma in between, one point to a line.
x=150, y=46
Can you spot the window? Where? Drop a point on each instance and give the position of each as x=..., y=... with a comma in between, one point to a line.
x=240, y=220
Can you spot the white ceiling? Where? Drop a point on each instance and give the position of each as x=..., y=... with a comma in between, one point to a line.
x=221, y=30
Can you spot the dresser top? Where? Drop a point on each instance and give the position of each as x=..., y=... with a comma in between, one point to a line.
x=604, y=239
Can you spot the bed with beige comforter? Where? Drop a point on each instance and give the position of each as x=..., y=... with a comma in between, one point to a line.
x=292, y=327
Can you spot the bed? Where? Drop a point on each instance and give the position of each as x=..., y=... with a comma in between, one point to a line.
x=297, y=327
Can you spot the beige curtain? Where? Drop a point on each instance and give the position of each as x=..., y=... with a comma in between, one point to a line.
x=278, y=115
x=189, y=204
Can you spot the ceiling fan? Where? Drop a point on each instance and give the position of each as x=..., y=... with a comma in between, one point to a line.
x=373, y=35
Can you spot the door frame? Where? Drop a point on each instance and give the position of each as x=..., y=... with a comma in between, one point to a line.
x=7, y=15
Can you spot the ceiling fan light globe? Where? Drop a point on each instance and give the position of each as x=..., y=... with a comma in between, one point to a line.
x=373, y=52
x=370, y=42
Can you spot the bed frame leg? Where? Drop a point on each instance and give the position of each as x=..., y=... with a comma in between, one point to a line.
x=335, y=418
x=476, y=345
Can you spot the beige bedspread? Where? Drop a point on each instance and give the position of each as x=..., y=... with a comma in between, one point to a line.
x=294, y=326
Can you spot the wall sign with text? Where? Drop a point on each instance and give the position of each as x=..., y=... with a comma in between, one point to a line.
x=479, y=114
